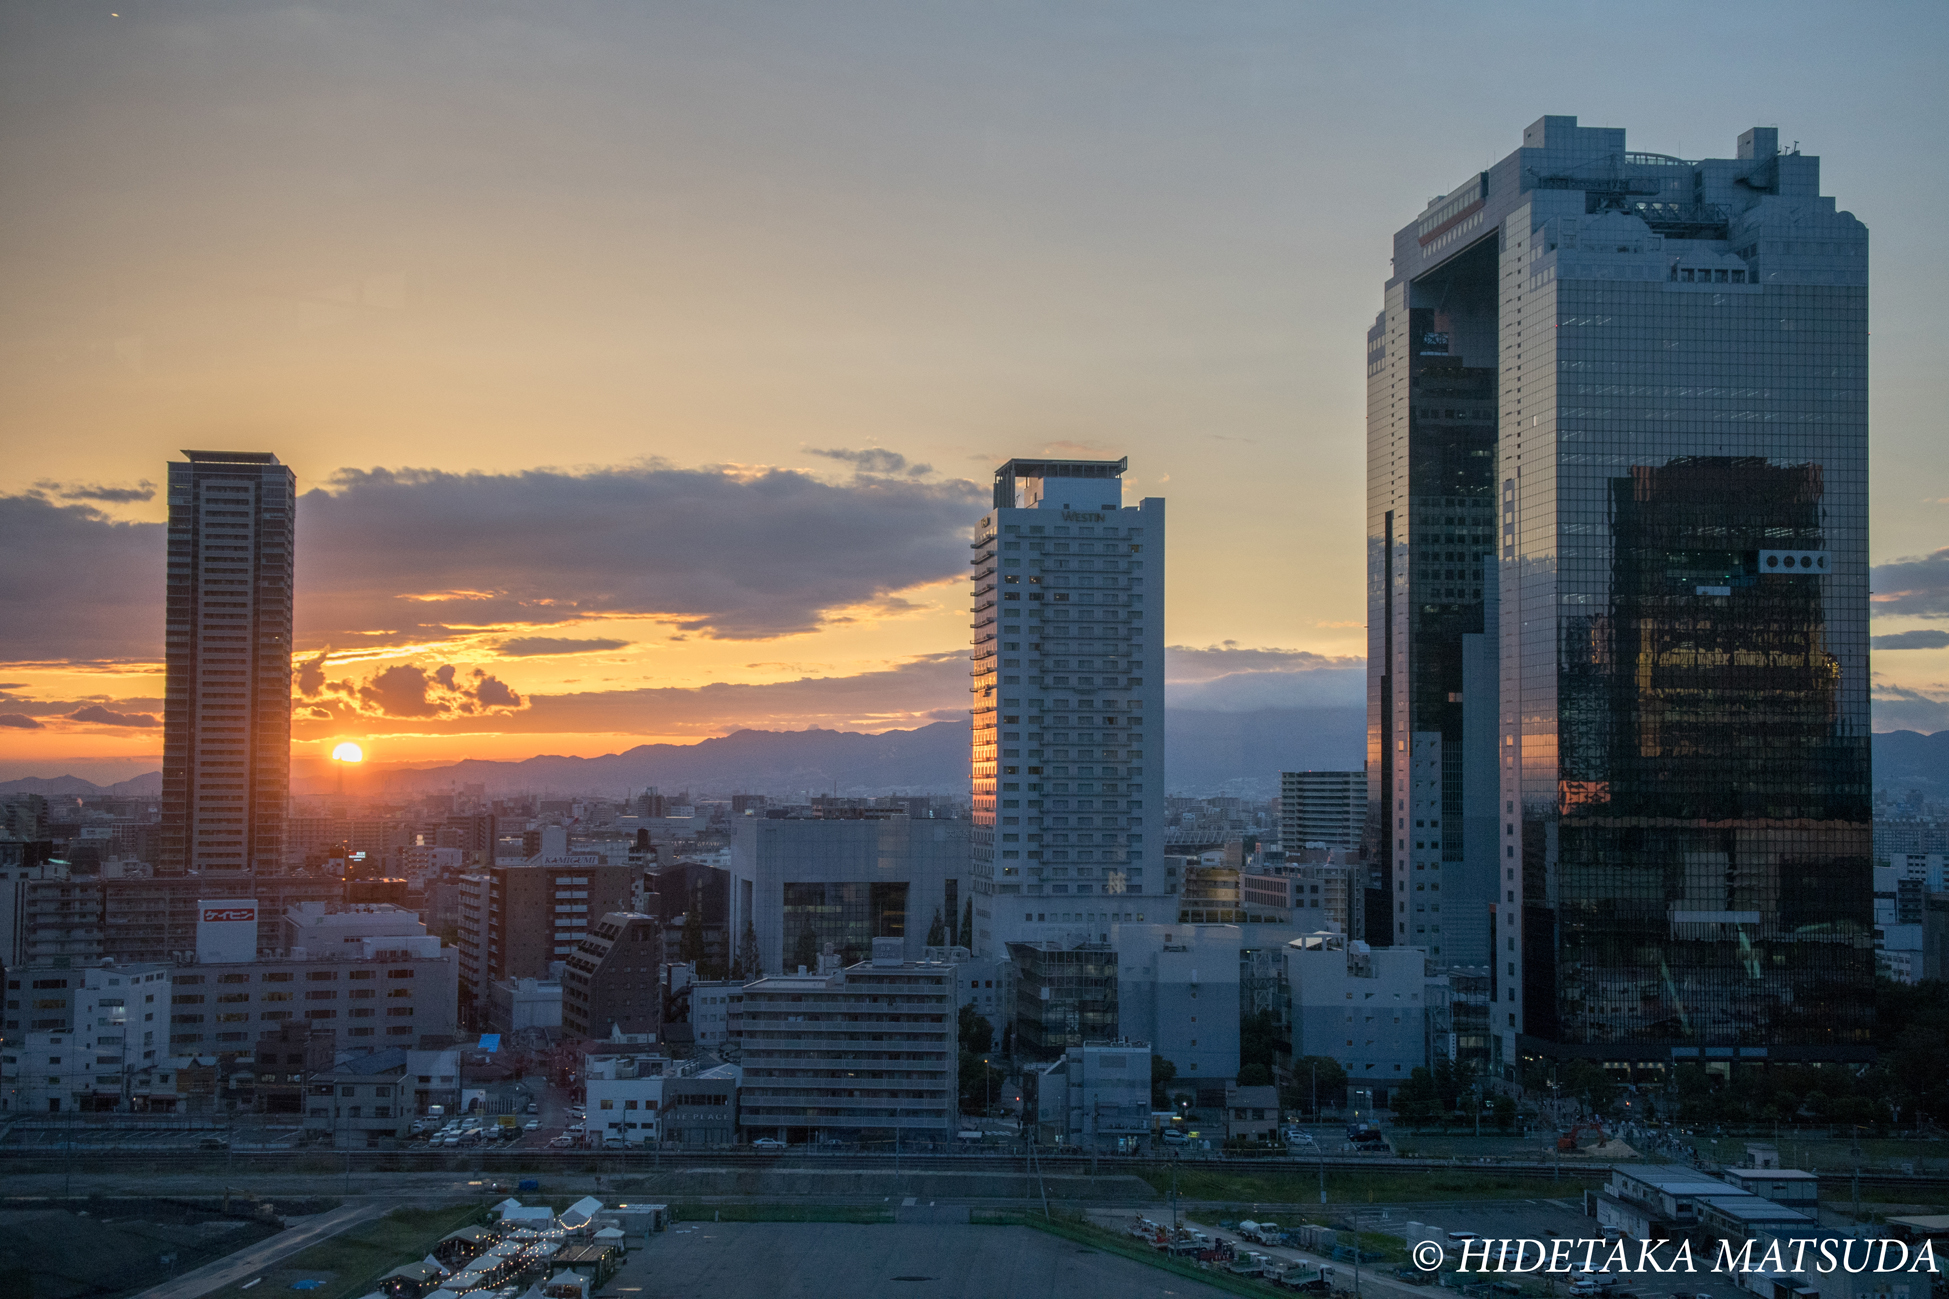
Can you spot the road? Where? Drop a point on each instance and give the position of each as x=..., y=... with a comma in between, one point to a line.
x=246, y=1263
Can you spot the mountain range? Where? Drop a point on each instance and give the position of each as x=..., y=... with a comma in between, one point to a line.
x=1207, y=752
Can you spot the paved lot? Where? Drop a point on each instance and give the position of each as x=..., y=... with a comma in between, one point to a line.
x=790, y=1260
x=245, y=1263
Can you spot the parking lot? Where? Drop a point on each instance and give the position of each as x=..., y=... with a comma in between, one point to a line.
x=792, y=1260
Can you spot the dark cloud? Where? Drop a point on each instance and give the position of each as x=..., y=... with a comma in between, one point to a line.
x=383, y=553
x=932, y=688
x=405, y=690
x=142, y=491
x=94, y=585
x=1903, y=640
x=20, y=722
x=874, y=460
x=721, y=552
x=311, y=675
x=528, y=646
x=108, y=717
x=1917, y=586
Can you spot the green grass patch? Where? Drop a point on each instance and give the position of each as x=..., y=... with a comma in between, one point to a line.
x=1301, y=1190
x=353, y=1261
x=742, y=1212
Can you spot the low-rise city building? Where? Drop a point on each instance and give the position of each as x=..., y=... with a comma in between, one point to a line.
x=1362, y=1006
x=97, y=1027
x=869, y=1052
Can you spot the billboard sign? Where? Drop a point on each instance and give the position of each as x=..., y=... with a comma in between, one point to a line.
x=226, y=930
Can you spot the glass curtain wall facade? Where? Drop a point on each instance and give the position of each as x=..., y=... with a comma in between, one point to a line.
x=226, y=763
x=1680, y=529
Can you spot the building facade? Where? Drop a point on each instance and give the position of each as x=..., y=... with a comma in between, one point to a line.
x=226, y=761
x=516, y=920
x=613, y=980
x=1364, y=1006
x=1068, y=686
x=1638, y=385
x=849, y=878
x=1064, y=996
x=95, y=1031
x=868, y=1053
x=1324, y=808
x=1178, y=988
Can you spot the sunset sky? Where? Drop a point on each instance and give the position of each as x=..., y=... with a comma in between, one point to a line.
x=643, y=364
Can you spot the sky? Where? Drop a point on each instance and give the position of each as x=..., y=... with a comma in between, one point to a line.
x=643, y=365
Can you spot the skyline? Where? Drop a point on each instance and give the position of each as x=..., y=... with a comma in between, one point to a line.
x=838, y=282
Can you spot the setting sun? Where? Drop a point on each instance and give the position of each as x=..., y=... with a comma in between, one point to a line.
x=348, y=752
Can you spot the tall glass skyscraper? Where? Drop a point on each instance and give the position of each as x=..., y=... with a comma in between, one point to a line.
x=1617, y=405
x=226, y=760
x=1068, y=683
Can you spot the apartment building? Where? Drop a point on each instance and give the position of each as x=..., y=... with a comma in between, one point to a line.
x=516, y=920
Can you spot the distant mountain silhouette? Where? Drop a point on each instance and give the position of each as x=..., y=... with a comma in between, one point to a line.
x=1205, y=753
x=147, y=785
x=932, y=759
x=1907, y=760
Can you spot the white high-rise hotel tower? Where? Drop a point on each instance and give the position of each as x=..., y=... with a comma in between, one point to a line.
x=1068, y=706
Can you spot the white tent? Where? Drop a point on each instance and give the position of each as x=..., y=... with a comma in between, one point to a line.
x=581, y=1211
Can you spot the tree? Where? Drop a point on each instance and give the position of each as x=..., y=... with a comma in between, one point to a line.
x=1416, y=1102
x=937, y=932
x=981, y=1082
x=966, y=937
x=749, y=962
x=1505, y=1112
x=1589, y=1083
x=977, y=1034
x=1254, y=1075
x=1258, y=1039
x=691, y=945
x=1162, y=1071
x=805, y=953
x=1332, y=1083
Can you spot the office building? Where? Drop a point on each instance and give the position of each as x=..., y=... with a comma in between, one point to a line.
x=1064, y=996
x=226, y=760
x=701, y=1109
x=1325, y=809
x=716, y=1011
x=849, y=878
x=867, y=1053
x=86, y=1033
x=613, y=980
x=1178, y=988
x=1068, y=701
x=1096, y=1096
x=376, y=980
x=1638, y=385
x=517, y=920
x=1363, y=1006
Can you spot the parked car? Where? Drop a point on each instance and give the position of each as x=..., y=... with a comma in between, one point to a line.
x=768, y=1143
x=562, y=1142
x=532, y=1125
